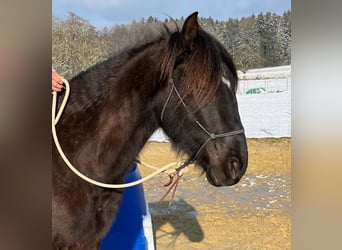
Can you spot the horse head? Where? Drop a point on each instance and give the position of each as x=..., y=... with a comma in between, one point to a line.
x=200, y=111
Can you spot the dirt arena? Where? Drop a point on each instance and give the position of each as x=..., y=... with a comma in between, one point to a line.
x=254, y=214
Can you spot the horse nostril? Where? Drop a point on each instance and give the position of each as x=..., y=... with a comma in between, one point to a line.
x=234, y=167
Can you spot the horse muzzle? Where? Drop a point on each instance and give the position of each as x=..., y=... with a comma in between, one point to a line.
x=229, y=173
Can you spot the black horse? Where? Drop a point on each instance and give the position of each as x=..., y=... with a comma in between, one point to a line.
x=183, y=81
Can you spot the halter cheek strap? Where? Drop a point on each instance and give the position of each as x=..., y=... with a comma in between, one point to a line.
x=173, y=88
x=211, y=136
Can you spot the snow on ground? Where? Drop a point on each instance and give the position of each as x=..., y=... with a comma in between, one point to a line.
x=266, y=115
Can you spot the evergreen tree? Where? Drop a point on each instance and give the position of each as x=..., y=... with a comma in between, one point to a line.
x=285, y=38
x=269, y=39
x=248, y=54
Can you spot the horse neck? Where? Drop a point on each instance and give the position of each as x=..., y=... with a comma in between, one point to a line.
x=121, y=125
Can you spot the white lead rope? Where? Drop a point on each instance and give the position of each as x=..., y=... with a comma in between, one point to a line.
x=55, y=120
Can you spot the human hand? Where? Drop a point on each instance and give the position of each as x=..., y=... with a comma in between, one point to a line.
x=57, y=83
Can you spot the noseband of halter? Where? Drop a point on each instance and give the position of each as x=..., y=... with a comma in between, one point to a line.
x=211, y=136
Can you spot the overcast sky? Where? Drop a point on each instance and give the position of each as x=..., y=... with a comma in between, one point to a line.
x=101, y=13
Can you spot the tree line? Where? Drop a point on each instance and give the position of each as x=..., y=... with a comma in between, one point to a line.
x=254, y=42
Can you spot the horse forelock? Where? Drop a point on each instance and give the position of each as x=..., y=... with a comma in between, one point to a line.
x=203, y=66
x=203, y=70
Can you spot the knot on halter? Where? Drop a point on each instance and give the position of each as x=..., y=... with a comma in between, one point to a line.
x=212, y=136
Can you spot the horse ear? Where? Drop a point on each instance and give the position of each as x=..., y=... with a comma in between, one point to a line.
x=190, y=29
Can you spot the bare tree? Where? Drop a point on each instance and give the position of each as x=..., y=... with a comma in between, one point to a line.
x=76, y=45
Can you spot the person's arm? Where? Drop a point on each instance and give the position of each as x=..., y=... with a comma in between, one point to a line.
x=57, y=83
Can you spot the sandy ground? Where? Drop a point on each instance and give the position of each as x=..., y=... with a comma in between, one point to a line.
x=254, y=214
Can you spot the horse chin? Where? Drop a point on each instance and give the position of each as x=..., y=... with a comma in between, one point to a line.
x=212, y=178
x=216, y=181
